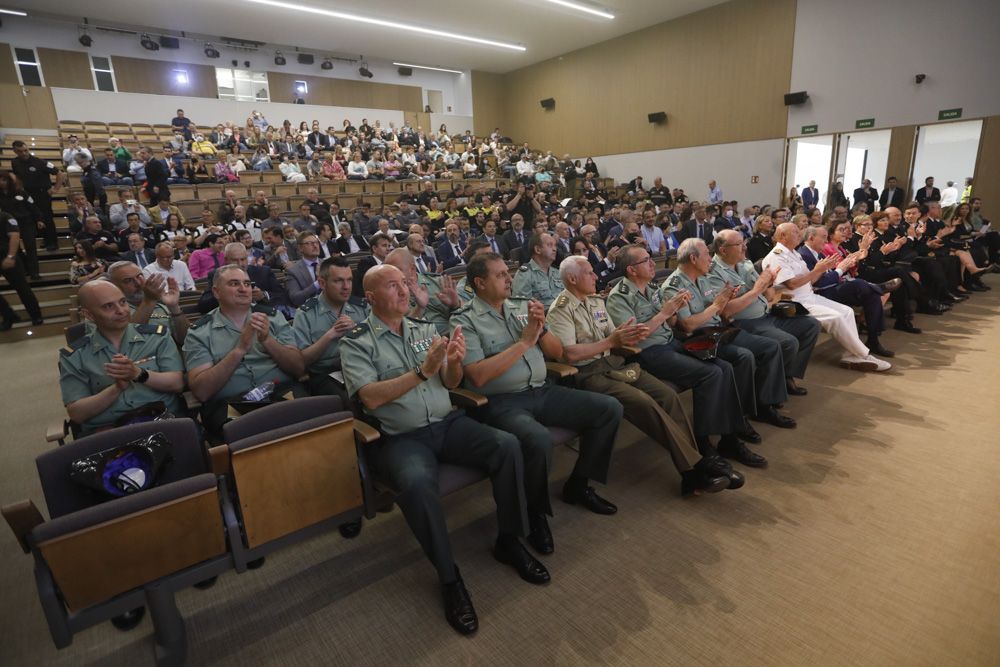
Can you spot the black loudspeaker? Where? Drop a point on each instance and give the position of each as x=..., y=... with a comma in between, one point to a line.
x=170, y=42
x=405, y=71
x=796, y=98
x=549, y=104
x=305, y=59
x=658, y=117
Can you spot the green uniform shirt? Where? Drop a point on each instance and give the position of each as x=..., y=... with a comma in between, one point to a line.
x=576, y=322
x=744, y=276
x=313, y=319
x=465, y=291
x=487, y=333
x=701, y=295
x=436, y=312
x=81, y=370
x=371, y=352
x=212, y=337
x=159, y=315
x=625, y=301
x=531, y=282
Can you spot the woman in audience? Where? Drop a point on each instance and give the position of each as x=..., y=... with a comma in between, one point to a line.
x=441, y=170
x=815, y=217
x=346, y=127
x=356, y=168
x=236, y=162
x=301, y=148
x=290, y=170
x=303, y=130
x=793, y=198
x=261, y=161
x=957, y=237
x=425, y=171
x=332, y=169
x=171, y=228
x=760, y=243
x=591, y=167
x=286, y=129
x=224, y=172
x=86, y=266
x=451, y=210
x=443, y=134
x=392, y=168
x=837, y=197
x=470, y=169
x=838, y=236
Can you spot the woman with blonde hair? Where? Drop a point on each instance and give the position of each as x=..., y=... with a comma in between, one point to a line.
x=761, y=242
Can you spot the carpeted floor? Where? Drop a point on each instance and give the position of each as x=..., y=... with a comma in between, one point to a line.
x=872, y=539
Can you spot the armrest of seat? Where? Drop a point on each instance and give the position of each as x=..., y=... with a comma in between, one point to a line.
x=57, y=432
x=557, y=371
x=626, y=351
x=22, y=517
x=364, y=433
x=463, y=398
x=221, y=459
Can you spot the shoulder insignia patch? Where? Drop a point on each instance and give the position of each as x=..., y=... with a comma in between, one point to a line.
x=309, y=303
x=74, y=346
x=468, y=288
x=267, y=310
x=674, y=281
x=561, y=301
x=358, y=331
x=203, y=321
x=524, y=267
x=622, y=287
x=777, y=251
x=150, y=328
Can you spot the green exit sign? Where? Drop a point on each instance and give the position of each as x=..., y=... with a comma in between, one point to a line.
x=810, y=129
x=864, y=123
x=949, y=114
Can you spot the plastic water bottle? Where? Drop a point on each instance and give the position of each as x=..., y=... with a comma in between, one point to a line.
x=260, y=392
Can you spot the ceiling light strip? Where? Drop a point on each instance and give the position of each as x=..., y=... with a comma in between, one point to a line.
x=385, y=24
x=584, y=8
x=13, y=12
x=436, y=69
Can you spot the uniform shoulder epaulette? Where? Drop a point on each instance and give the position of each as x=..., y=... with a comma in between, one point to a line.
x=561, y=301
x=674, y=281
x=777, y=251
x=358, y=330
x=519, y=298
x=621, y=287
x=524, y=267
x=150, y=328
x=463, y=308
x=205, y=319
x=309, y=303
x=468, y=288
x=270, y=311
x=74, y=345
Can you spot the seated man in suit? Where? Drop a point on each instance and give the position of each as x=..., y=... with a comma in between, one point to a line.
x=119, y=366
x=426, y=262
x=347, y=242
x=516, y=237
x=450, y=249
x=381, y=246
x=302, y=277
x=137, y=252
x=489, y=236
x=79, y=210
x=698, y=227
x=237, y=348
x=266, y=289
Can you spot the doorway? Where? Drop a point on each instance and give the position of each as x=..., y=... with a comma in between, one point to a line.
x=946, y=151
x=863, y=155
x=809, y=159
x=435, y=101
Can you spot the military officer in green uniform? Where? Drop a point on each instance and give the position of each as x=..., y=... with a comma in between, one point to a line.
x=748, y=309
x=717, y=408
x=433, y=296
x=321, y=322
x=579, y=319
x=119, y=367
x=505, y=340
x=153, y=299
x=757, y=362
x=538, y=279
x=238, y=347
x=400, y=370
x=464, y=289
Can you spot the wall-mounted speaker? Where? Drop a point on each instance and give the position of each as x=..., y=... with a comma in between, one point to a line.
x=657, y=117
x=405, y=71
x=170, y=42
x=306, y=59
x=549, y=104
x=796, y=98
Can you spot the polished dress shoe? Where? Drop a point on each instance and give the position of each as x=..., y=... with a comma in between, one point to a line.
x=907, y=326
x=749, y=434
x=458, y=609
x=890, y=285
x=732, y=448
x=956, y=297
x=351, y=529
x=540, y=537
x=769, y=415
x=511, y=552
x=794, y=389
x=877, y=349
x=716, y=465
x=589, y=499
x=695, y=482
x=129, y=619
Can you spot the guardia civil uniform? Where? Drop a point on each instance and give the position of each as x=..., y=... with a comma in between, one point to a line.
x=757, y=362
x=313, y=319
x=421, y=430
x=437, y=313
x=796, y=335
x=717, y=408
x=81, y=371
x=532, y=282
x=649, y=403
x=523, y=403
x=214, y=336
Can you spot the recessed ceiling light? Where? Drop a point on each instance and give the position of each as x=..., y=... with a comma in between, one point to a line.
x=596, y=11
x=386, y=24
x=436, y=69
x=13, y=12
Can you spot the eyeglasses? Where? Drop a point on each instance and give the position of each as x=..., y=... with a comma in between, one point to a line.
x=642, y=261
x=735, y=245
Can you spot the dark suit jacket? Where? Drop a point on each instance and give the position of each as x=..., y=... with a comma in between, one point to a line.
x=130, y=256
x=430, y=261
x=446, y=254
x=359, y=274
x=922, y=196
x=897, y=199
x=300, y=282
x=810, y=197
x=156, y=176
x=262, y=277
x=690, y=230
x=121, y=167
x=828, y=279
x=343, y=247
x=869, y=198
x=510, y=241
x=501, y=246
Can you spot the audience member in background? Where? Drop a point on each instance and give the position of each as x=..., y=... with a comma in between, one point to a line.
x=433, y=297
x=21, y=206
x=266, y=287
x=762, y=240
x=71, y=164
x=381, y=245
x=86, y=266
x=104, y=242
x=347, y=243
x=539, y=279
x=290, y=169
x=12, y=269
x=881, y=264
x=714, y=196
x=866, y=195
x=161, y=214
x=137, y=252
x=892, y=195
x=181, y=123
x=698, y=227
x=655, y=242
x=303, y=276
x=949, y=197
x=119, y=368
x=90, y=179
x=156, y=176
x=197, y=171
x=306, y=222
x=238, y=347
x=113, y=170
x=153, y=300
x=208, y=258
x=126, y=204
x=168, y=267
x=928, y=192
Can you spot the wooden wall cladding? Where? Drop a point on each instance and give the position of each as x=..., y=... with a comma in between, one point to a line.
x=345, y=92
x=66, y=69
x=158, y=77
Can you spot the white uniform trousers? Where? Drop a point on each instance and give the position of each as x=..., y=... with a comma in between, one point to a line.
x=837, y=320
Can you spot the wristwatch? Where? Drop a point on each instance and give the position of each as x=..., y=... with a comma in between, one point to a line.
x=143, y=376
x=420, y=373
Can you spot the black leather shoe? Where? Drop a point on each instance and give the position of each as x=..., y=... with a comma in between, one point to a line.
x=695, y=482
x=732, y=448
x=458, y=609
x=877, y=349
x=907, y=326
x=769, y=415
x=207, y=583
x=794, y=389
x=890, y=286
x=351, y=529
x=749, y=434
x=958, y=296
x=976, y=287
x=129, y=619
x=37, y=321
x=540, y=537
x=528, y=567
x=589, y=499
x=716, y=465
